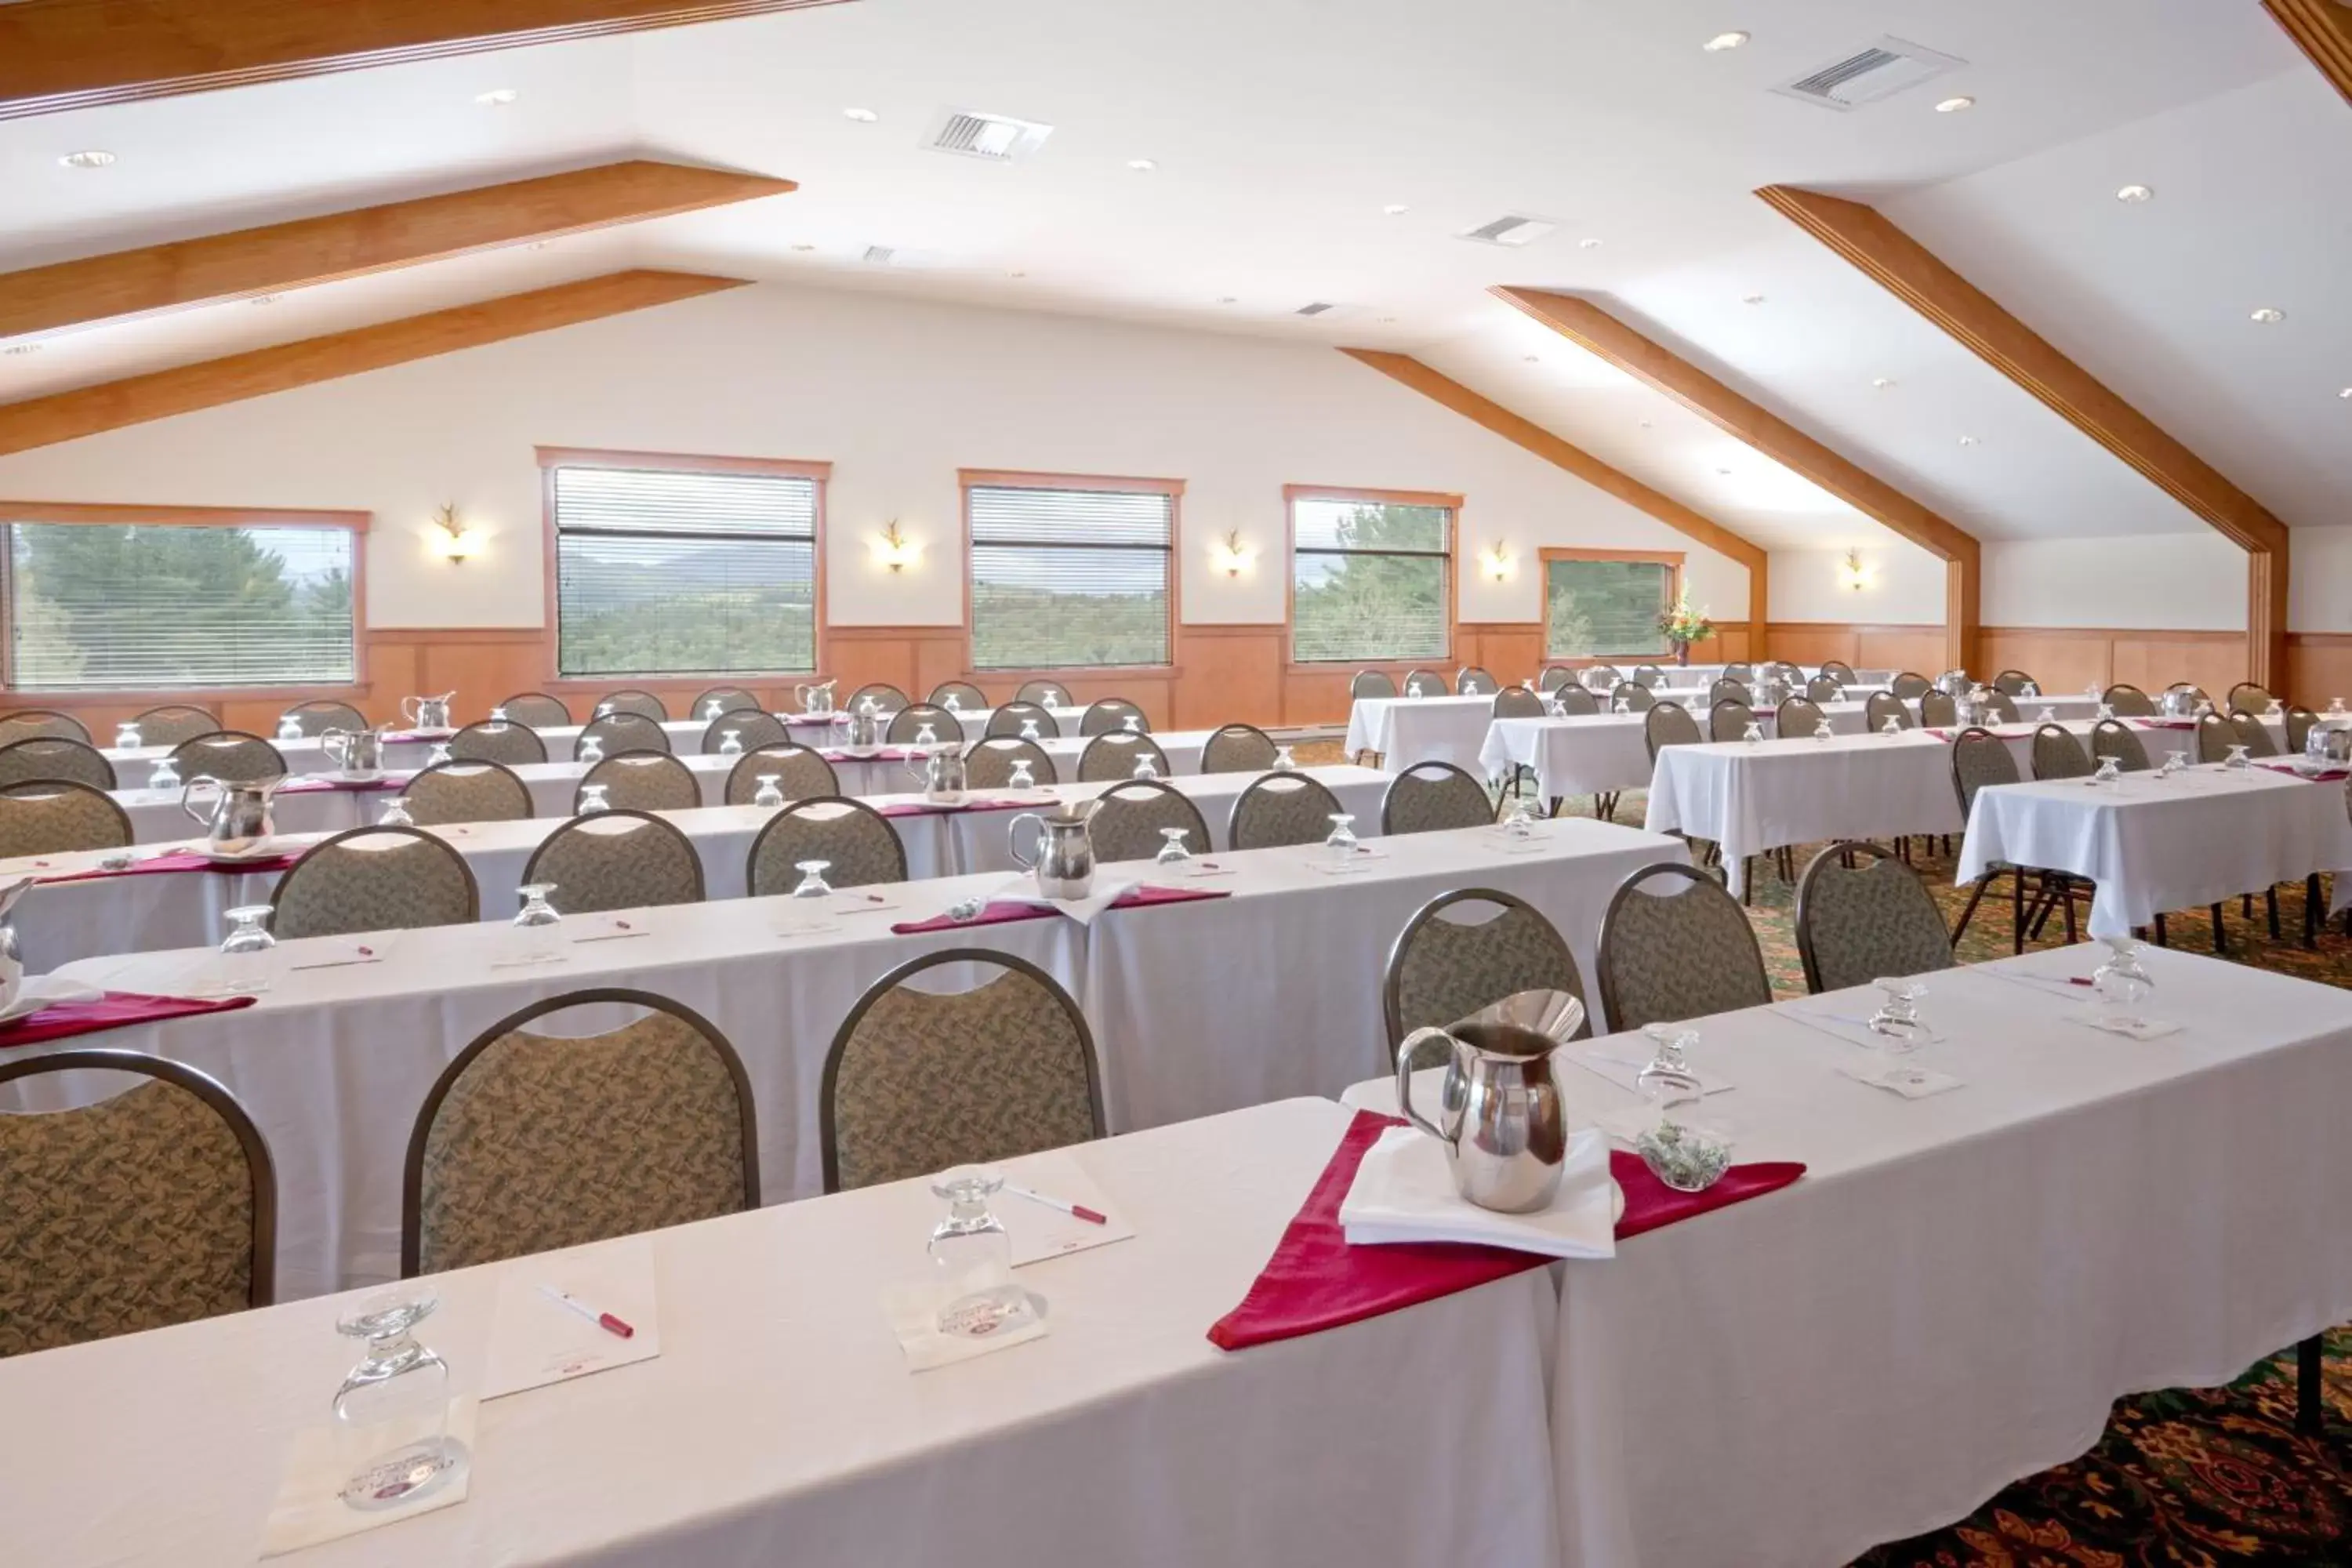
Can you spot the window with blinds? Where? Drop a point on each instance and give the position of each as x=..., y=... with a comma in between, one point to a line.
x=664, y=571
x=1062, y=578
x=150, y=608
x=1370, y=581
x=1603, y=606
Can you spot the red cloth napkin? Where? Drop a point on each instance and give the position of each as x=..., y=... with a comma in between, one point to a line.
x=1316, y=1280
x=885, y=755
x=1146, y=895
x=115, y=1010
x=179, y=861
x=814, y=720
x=1006, y=910
x=2166, y=723
x=928, y=808
x=318, y=781
x=2326, y=775
x=418, y=737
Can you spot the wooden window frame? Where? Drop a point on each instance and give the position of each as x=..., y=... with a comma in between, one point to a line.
x=550, y=617
x=1291, y=495
x=969, y=479
x=358, y=523
x=1672, y=560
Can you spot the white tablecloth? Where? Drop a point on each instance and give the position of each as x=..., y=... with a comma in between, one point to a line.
x=1409, y=729
x=1953, y=1295
x=2151, y=844
x=982, y=842
x=780, y=1422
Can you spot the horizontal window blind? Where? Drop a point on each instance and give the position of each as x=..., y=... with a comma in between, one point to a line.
x=140, y=607
x=1605, y=606
x=665, y=573
x=1062, y=578
x=1370, y=581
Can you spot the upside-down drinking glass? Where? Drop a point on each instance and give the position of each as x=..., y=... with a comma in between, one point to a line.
x=1022, y=776
x=971, y=1257
x=1897, y=1020
x=2239, y=757
x=1753, y=733
x=1144, y=768
x=925, y=735
x=2123, y=983
x=393, y=1411
x=534, y=926
x=768, y=794
x=166, y=774
x=1823, y=730
x=242, y=966
x=1173, y=852
x=811, y=884
x=1342, y=840
x=126, y=737
x=731, y=743
x=1284, y=762
x=396, y=813
x=594, y=798
x=1029, y=730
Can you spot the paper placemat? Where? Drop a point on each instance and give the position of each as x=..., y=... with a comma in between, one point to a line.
x=1625, y=1072
x=2131, y=1029
x=607, y=927
x=309, y=1507
x=1853, y=1027
x=1900, y=1077
x=912, y=1313
x=1039, y=1231
x=1403, y=1191
x=535, y=1342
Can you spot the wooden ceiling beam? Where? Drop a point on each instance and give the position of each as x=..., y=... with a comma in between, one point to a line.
x=59, y=54
x=1915, y=275
x=111, y=405
x=247, y=262
x=2323, y=29
x=1524, y=433
x=1598, y=332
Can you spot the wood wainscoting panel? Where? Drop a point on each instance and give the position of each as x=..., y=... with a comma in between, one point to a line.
x=2319, y=668
x=1865, y=646
x=1510, y=651
x=483, y=665
x=1232, y=675
x=2153, y=660
x=2072, y=659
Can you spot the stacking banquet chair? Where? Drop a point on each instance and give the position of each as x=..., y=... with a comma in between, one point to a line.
x=510, y=742
x=2197, y=699
x=1938, y=710
x=2001, y=707
x=27, y=723
x=2011, y=682
x=155, y=1205
x=2248, y=696
x=1444, y=968
x=857, y=843
x=1578, y=701
x=1824, y=689
x=1553, y=678
x=988, y=761
x=750, y=728
x=2300, y=722
x=1797, y=719
x=530, y=1140
x=230, y=755
x=1726, y=690
x=375, y=879
x=1633, y=697
x=1238, y=748
x=1433, y=796
x=2114, y=738
x=1841, y=672
x=887, y=699
x=1371, y=683
x=1738, y=672
x=918, y=1080
x=1669, y=724
x=2128, y=702
x=2058, y=755
x=1471, y=681
x=2215, y=736
x=1879, y=707
x=800, y=774
x=1423, y=683
x=1114, y=756
x=907, y=727
x=1111, y=714
x=317, y=718
x=615, y=860
x=52, y=817
x=1607, y=677
x=629, y=699
x=173, y=724
x=1132, y=820
x=1728, y=718
x=466, y=792
x=1008, y=717
x=619, y=731
x=2254, y=734
x=1684, y=953
x=1860, y=914
x=1649, y=675
x=1910, y=684
x=731, y=699
x=1517, y=702
x=1282, y=808
x=536, y=708
x=1980, y=759
x=967, y=696
x=1038, y=690
x=641, y=781
x=53, y=757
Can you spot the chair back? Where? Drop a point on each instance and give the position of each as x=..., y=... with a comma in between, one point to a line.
x=1682, y=953
x=530, y=1141
x=969, y=698
x=1130, y=821
x=1740, y=672
x=2058, y=755
x=1980, y=758
x=907, y=726
x=1554, y=677
x=642, y=781
x=2114, y=738
x=615, y=860
x=26, y=723
x=375, y=879
x=512, y=743
x=2300, y=722
x=1669, y=724
x=2011, y=682
x=1517, y=702
x=467, y=792
x=631, y=699
x=1728, y=719
x=2249, y=696
x=1606, y=677
x=2128, y=702
x=1797, y=719
x=2254, y=734
x=230, y=755
x=1444, y=968
x=619, y=731
x=1939, y=709
x=887, y=697
x=1726, y=689
x=988, y=761
x=753, y=728
x=1424, y=683
x=1824, y=689
x=1008, y=717
x=56, y=816
x=1909, y=684
x=1880, y=706
x=801, y=773
x=2001, y=708
x=919, y=1080
x=1471, y=681
x=1113, y=755
x=1636, y=697
x=174, y=722
x=1837, y=670
x=1649, y=675
x=859, y=846
x=1282, y=808
x=536, y=709
x=1371, y=683
x=1111, y=714
x=1238, y=748
x=155, y=1205
x=1872, y=918
x=1576, y=701
x=1036, y=690
x=318, y=718
x=1433, y=796
x=49, y=758
x=2215, y=736
x=731, y=699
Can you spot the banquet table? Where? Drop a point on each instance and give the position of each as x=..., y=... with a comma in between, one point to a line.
x=1960, y=1285
x=779, y=1422
x=2149, y=844
x=1409, y=729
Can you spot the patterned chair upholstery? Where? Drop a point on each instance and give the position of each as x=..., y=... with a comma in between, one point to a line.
x=2128, y=702
x=2247, y=697
x=2001, y=708
x=375, y=879
x=1938, y=710
x=1037, y=690
x=1577, y=701
x=1669, y=724
x=731, y=699
x=1554, y=677
x=617, y=731
x=1910, y=684
x=2254, y=734
x=2058, y=755
x=1605, y=677
x=231, y=755
x=1472, y=680
x=2300, y=721
x=1649, y=675
x=2215, y=736
x=1636, y=697
x=887, y=697
x=908, y=724
x=1425, y=683
x=918, y=1080
x=318, y=718
x=1128, y=824
x=1371, y=683
x=510, y=744
x=857, y=843
x=1113, y=756
x=1282, y=808
x=2113, y=738
x=531, y=1142
x=1517, y=702
x=1823, y=689
x=152, y=1206
x=969, y=698
x=1728, y=719
x=615, y=860
x=1432, y=797
x=1008, y=717
x=53, y=817
x=1442, y=969
x=1680, y=954
x=1880, y=706
x=1238, y=748
x=2012, y=682
x=641, y=781
x=630, y=700
x=1110, y=715
x=53, y=757
x=1856, y=923
x=1726, y=689
x=1738, y=672
x=29, y=723
x=173, y=724
x=1980, y=758
x=988, y=761
x=1797, y=717
x=538, y=710
x=2197, y=694
x=801, y=773
x=752, y=730
x=1837, y=670
x=466, y=792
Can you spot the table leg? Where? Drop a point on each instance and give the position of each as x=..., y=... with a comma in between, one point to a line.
x=2309, y=1371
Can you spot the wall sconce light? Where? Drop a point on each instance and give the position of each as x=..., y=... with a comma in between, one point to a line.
x=894, y=549
x=452, y=540
x=1853, y=573
x=1232, y=556
x=1496, y=559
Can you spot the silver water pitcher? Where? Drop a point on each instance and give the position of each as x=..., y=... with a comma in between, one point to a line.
x=12, y=965
x=1064, y=858
x=864, y=728
x=359, y=752
x=427, y=712
x=238, y=822
x=942, y=774
x=817, y=699
x=1502, y=1115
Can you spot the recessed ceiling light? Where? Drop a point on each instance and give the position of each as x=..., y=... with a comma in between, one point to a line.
x=863, y=116
x=1396, y=209
x=1723, y=41
x=1751, y=299
x=803, y=245
x=2269, y=316
x=1968, y=440
x=93, y=158
x=1587, y=244
x=21, y=349
x=1954, y=105
x=1881, y=382
x=1141, y=166
x=2133, y=193
x=496, y=97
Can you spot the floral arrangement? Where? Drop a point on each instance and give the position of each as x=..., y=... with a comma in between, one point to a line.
x=1684, y=625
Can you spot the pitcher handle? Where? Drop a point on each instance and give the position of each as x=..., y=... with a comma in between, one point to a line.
x=1404, y=1056
x=411, y=709
x=1013, y=840
x=189, y=788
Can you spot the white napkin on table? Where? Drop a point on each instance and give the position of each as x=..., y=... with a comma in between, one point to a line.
x=309, y=1507
x=1625, y=1072
x=1404, y=1192
x=1022, y=889
x=1899, y=1077
x=2130, y=1028
x=913, y=1311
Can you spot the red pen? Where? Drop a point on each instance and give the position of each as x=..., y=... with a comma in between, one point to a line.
x=2080, y=980
x=1091, y=1217
x=605, y=1320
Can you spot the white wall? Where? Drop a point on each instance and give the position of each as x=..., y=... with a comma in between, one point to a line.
x=898, y=396
x=2161, y=582
x=2319, y=590
x=1906, y=586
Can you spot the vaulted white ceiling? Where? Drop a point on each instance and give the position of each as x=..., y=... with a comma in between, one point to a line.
x=1281, y=129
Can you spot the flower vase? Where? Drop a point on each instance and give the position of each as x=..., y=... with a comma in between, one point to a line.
x=1682, y=653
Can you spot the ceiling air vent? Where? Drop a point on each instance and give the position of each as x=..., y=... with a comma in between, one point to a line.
x=1514, y=229
x=1886, y=68
x=996, y=138
x=879, y=255
x=1316, y=308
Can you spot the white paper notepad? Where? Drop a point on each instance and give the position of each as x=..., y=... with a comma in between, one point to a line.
x=1039, y=1232
x=535, y=1342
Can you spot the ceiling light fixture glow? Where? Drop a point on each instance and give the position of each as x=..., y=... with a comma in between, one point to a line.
x=496, y=97
x=2269, y=316
x=90, y=158
x=1956, y=105
x=1395, y=210
x=2133, y=193
x=1588, y=243
x=1881, y=382
x=863, y=116
x=1141, y=166
x=1722, y=41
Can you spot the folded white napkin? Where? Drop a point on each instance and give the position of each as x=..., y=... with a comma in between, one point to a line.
x=309, y=1507
x=1851, y=1023
x=1900, y=1077
x=1022, y=889
x=47, y=990
x=2130, y=1028
x=1404, y=1192
x=913, y=1311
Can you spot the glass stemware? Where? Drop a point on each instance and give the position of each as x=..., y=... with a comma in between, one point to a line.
x=811, y=884
x=1521, y=822
x=731, y=743
x=1144, y=768
x=593, y=799
x=2103, y=712
x=592, y=752
x=1131, y=724
x=1050, y=700
x=1022, y=776
x=1753, y=733
x=1029, y=730
x=1667, y=1079
x=714, y=709
x=2109, y=770
x=2123, y=983
x=396, y=813
x=439, y=754
x=925, y=735
x=1897, y=1020
x=499, y=714
x=242, y=967
x=952, y=703
x=166, y=774
x=126, y=737
x=393, y=1409
x=1284, y=762
x=2045, y=714
x=2239, y=757
x=768, y=794
x=1892, y=727
x=1823, y=730
x=1342, y=840
x=2174, y=762
x=290, y=728
x=1172, y=853
x=603, y=710
x=971, y=1257
x=534, y=926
